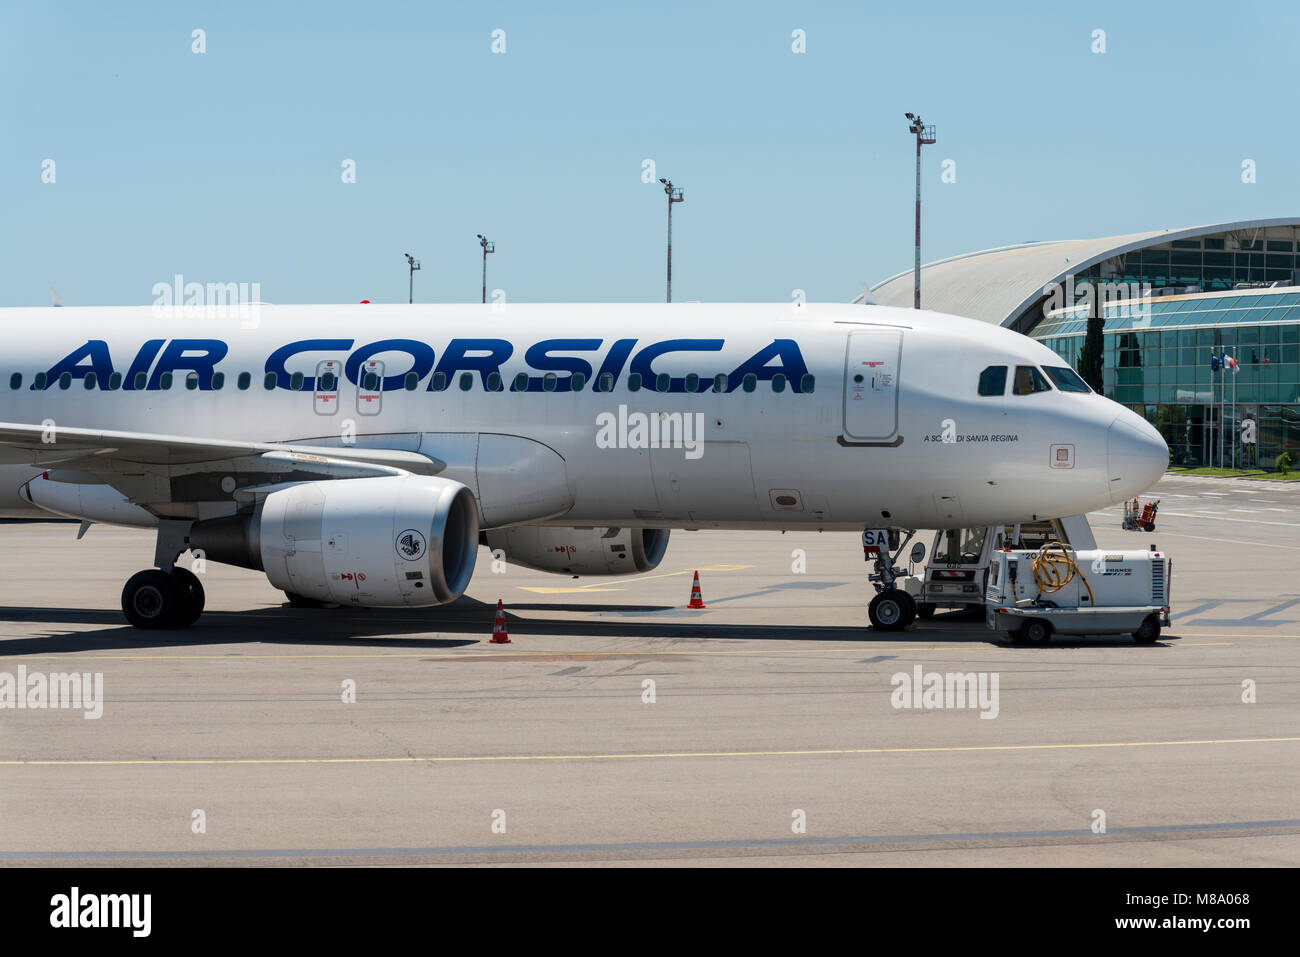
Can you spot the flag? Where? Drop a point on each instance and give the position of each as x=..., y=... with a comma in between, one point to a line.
x=1214, y=362
x=1230, y=362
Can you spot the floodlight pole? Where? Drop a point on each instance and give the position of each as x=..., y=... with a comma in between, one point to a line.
x=488, y=247
x=674, y=196
x=414, y=265
x=924, y=137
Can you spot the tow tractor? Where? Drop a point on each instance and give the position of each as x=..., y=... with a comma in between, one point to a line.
x=956, y=575
x=1033, y=594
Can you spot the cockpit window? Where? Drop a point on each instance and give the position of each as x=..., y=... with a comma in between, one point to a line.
x=993, y=380
x=1066, y=379
x=1029, y=380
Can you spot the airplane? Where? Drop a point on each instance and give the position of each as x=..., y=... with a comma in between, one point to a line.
x=359, y=455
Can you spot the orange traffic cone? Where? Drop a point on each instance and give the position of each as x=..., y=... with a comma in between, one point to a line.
x=697, y=599
x=499, y=636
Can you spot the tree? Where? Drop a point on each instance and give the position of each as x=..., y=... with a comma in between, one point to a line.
x=1090, y=357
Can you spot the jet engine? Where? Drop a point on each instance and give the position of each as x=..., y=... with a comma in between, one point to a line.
x=580, y=551
x=388, y=541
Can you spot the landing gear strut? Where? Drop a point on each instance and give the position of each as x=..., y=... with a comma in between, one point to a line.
x=892, y=609
x=167, y=596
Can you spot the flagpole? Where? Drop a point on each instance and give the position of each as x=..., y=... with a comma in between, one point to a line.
x=1236, y=365
x=1223, y=402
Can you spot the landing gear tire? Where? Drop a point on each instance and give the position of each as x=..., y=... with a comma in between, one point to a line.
x=152, y=599
x=891, y=611
x=1148, y=632
x=1035, y=631
x=192, y=597
x=925, y=611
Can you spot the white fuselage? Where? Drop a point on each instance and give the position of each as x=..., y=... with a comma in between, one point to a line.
x=910, y=443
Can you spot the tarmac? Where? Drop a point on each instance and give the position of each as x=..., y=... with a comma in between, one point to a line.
x=619, y=727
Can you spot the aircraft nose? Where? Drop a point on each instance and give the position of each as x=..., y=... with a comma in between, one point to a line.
x=1136, y=456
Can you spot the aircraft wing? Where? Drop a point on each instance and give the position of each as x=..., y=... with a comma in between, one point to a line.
x=154, y=469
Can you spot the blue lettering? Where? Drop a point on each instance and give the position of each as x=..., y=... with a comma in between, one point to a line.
x=275, y=362
x=539, y=358
x=642, y=363
x=421, y=353
x=174, y=359
x=456, y=358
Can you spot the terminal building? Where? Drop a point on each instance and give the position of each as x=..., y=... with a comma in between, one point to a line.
x=1228, y=289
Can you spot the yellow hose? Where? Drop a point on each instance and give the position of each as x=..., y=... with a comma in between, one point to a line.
x=1054, y=568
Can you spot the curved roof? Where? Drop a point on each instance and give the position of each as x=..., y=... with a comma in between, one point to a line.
x=1001, y=285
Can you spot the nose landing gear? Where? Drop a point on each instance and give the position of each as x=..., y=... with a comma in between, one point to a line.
x=892, y=609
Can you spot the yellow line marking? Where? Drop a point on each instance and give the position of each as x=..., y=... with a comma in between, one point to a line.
x=616, y=756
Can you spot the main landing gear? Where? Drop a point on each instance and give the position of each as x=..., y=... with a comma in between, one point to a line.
x=892, y=609
x=167, y=596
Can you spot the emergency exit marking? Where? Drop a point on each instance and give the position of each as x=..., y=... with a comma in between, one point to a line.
x=1062, y=456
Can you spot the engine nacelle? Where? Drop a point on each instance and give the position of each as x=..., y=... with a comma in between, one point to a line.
x=376, y=542
x=581, y=551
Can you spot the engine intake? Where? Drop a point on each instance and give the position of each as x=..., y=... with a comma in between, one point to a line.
x=405, y=540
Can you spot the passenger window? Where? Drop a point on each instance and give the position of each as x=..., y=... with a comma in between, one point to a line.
x=115, y=381
x=140, y=381
x=192, y=381
x=16, y=380
x=720, y=382
x=993, y=381
x=778, y=382
x=606, y=382
x=327, y=382
x=89, y=381
x=218, y=380
x=577, y=381
x=807, y=383
x=65, y=380
x=521, y=382
x=370, y=382
x=692, y=382
x=39, y=382
x=411, y=381
x=466, y=381
x=634, y=382
x=750, y=382
x=268, y=381
x=493, y=383
x=166, y=380
x=245, y=380
x=296, y=380
x=663, y=382
x=549, y=382
x=439, y=382
x=1029, y=380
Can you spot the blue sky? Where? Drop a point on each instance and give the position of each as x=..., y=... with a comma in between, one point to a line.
x=798, y=169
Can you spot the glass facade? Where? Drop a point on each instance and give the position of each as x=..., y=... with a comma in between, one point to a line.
x=1206, y=262
x=1157, y=362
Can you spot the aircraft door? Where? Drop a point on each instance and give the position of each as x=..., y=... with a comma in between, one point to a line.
x=326, y=399
x=871, y=370
x=370, y=387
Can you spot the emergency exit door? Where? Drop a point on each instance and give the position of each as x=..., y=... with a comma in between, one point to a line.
x=871, y=370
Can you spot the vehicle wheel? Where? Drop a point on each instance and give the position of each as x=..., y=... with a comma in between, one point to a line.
x=151, y=599
x=1035, y=631
x=1148, y=631
x=925, y=611
x=891, y=611
x=191, y=592
x=302, y=601
x=1149, y=527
